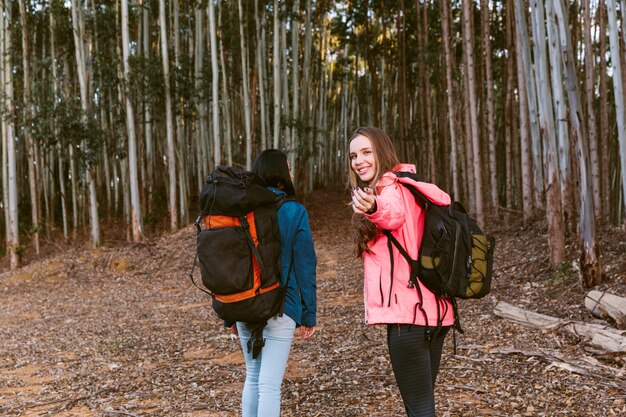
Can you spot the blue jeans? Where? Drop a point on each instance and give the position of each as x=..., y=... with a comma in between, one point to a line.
x=264, y=375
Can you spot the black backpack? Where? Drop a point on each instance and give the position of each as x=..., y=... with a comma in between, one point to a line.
x=238, y=248
x=455, y=256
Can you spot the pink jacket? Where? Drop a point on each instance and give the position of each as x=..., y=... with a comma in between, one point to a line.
x=394, y=301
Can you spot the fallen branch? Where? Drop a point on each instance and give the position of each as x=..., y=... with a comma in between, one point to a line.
x=602, y=305
x=602, y=336
x=584, y=366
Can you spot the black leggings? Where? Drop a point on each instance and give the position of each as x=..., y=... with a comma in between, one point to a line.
x=415, y=364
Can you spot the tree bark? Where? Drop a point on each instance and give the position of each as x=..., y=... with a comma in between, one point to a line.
x=490, y=116
x=276, y=54
x=602, y=305
x=531, y=96
x=473, y=109
x=619, y=92
x=135, y=202
x=169, y=121
x=591, y=113
x=28, y=113
x=604, y=112
x=13, y=237
x=590, y=256
x=81, y=69
x=246, y=94
x=447, y=48
x=215, y=86
x=602, y=336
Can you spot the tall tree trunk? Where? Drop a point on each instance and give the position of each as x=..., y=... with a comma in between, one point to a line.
x=169, y=121
x=295, y=72
x=13, y=237
x=276, y=54
x=590, y=256
x=473, y=104
x=228, y=147
x=490, y=116
x=562, y=130
x=246, y=94
x=619, y=92
x=531, y=96
x=28, y=112
x=447, y=48
x=215, y=88
x=604, y=112
x=135, y=202
x=591, y=113
x=147, y=107
x=200, y=101
x=546, y=118
x=81, y=69
x=260, y=55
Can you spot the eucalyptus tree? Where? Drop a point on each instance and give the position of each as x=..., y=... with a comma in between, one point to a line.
x=590, y=254
x=546, y=119
x=531, y=97
x=136, y=215
x=26, y=128
x=13, y=237
x=468, y=48
x=215, y=87
x=246, y=93
x=590, y=88
x=169, y=121
x=81, y=51
x=447, y=50
x=276, y=54
x=490, y=107
x=618, y=87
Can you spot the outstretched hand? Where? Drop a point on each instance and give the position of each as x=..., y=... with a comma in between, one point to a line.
x=363, y=200
x=306, y=332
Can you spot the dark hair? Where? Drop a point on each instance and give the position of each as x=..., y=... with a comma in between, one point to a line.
x=364, y=230
x=272, y=165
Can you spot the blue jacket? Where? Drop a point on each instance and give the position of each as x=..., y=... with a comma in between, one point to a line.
x=298, y=262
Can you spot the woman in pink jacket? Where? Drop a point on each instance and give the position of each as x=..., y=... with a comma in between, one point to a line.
x=417, y=321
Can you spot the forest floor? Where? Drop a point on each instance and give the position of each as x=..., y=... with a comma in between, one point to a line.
x=120, y=331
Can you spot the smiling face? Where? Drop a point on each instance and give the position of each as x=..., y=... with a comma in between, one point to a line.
x=362, y=158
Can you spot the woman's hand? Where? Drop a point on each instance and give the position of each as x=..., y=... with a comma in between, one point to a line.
x=306, y=332
x=363, y=200
x=233, y=330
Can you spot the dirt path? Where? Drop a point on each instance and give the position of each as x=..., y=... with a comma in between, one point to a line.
x=121, y=332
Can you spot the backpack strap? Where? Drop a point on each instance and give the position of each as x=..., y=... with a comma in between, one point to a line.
x=195, y=259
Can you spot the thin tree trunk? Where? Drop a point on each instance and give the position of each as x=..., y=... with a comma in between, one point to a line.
x=81, y=69
x=591, y=115
x=260, y=55
x=619, y=91
x=246, y=94
x=28, y=113
x=473, y=104
x=445, y=27
x=147, y=107
x=13, y=237
x=228, y=147
x=590, y=256
x=215, y=88
x=531, y=96
x=276, y=54
x=546, y=118
x=135, y=202
x=604, y=112
x=295, y=72
x=169, y=121
x=490, y=116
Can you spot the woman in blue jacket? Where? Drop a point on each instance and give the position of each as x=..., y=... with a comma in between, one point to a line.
x=264, y=375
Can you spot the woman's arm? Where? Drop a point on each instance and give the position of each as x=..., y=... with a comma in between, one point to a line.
x=389, y=212
x=305, y=264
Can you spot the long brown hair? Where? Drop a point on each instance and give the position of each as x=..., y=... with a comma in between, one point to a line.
x=386, y=160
